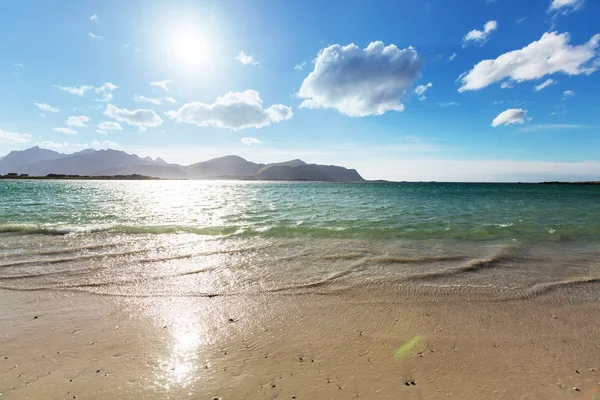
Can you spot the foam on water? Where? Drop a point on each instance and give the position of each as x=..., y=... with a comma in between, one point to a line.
x=228, y=238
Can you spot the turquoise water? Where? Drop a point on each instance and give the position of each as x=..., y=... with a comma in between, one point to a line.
x=420, y=211
x=196, y=238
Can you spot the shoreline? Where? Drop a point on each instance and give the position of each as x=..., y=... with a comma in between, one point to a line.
x=253, y=179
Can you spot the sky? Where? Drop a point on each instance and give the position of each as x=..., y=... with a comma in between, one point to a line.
x=448, y=90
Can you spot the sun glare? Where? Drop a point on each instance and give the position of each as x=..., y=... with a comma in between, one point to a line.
x=191, y=49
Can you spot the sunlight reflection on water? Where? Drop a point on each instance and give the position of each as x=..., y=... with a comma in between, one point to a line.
x=187, y=336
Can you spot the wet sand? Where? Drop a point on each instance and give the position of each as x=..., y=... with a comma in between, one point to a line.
x=339, y=345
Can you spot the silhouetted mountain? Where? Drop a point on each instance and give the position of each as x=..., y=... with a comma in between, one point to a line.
x=291, y=163
x=18, y=158
x=165, y=171
x=309, y=172
x=86, y=163
x=224, y=166
x=41, y=162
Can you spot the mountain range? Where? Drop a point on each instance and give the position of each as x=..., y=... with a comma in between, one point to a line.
x=36, y=161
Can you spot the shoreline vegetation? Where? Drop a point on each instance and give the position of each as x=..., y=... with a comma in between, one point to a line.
x=571, y=183
x=133, y=177
x=138, y=177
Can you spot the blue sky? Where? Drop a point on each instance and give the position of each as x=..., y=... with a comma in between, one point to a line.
x=310, y=80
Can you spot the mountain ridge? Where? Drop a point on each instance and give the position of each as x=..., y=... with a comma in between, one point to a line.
x=37, y=161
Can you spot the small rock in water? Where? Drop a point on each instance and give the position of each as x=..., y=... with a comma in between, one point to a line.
x=576, y=389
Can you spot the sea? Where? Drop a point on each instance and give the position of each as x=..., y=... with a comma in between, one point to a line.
x=227, y=238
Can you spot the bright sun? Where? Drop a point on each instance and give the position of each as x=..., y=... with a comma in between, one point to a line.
x=191, y=49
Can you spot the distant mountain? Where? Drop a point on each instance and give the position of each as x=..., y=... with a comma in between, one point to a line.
x=41, y=162
x=84, y=163
x=224, y=166
x=16, y=159
x=291, y=163
x=308, y=172
x=154, y=170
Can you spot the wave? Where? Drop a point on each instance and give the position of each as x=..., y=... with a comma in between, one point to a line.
x=300, y=230
x=506, y=255
x=411, y=260
x=548, y=288
x=295, y=231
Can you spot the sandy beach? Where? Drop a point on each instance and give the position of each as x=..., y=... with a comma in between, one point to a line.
x=357, y=343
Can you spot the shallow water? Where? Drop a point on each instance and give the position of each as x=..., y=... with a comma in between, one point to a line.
x=198, y=238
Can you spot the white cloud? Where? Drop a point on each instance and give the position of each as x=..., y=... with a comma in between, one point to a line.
x=565, y=6
x=95, y=36
x=449, y=104
x=13, y=137
x=141, y=118
x=66, y=131
x=162, y=84
x=551, y=54
x=101, y=132
x=568, y=93
x=298, y=67
x=154, y=100
x=246, y=59
x=19, y=65
x=78, y=90
x=78, y=121
x=480, y=36
x=109, y=126
x=452, y=56
x=520, y=20
x=250, y=141
x=94, y=18
x=234, y=110
x=105, y=143
x=510, y=116
x=549, y=127
x=360, y=82
x=544, y=84
x=46, y=107
x=421, y=89
x=43, y=115
x=106, y=91
x=506, y=85
x=144, y=99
